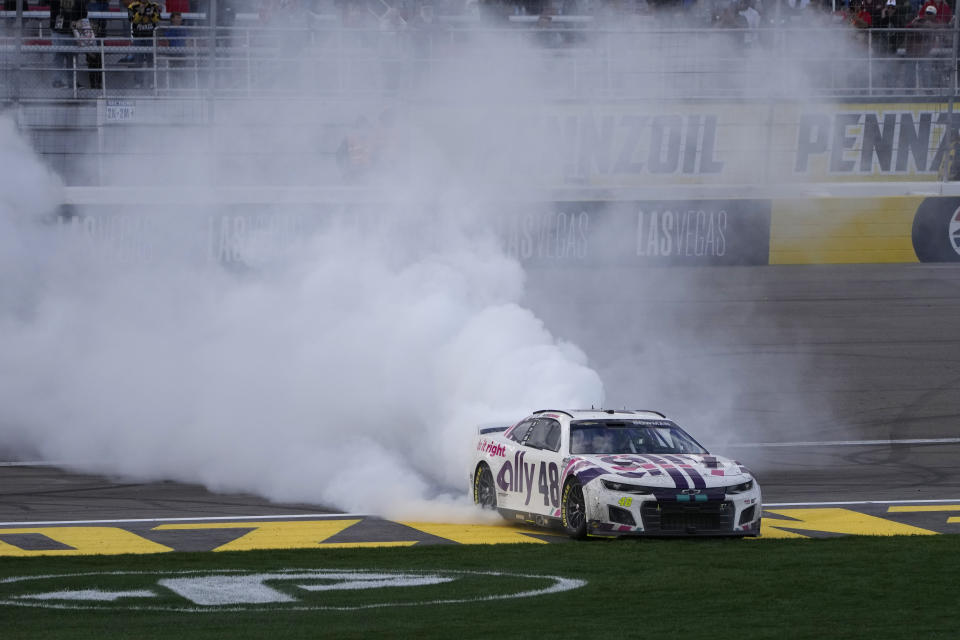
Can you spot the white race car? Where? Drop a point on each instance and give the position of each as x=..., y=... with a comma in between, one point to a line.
x=612, y=473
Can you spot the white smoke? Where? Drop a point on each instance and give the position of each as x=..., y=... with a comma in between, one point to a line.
x=352, y=373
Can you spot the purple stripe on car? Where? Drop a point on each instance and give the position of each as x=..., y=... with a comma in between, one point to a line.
x=698, y=480
x=679, y=479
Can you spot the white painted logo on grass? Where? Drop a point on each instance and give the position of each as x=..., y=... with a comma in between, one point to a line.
x=294, y=589
x=234, y=589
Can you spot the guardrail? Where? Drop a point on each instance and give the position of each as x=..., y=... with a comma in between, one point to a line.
x=290, y=195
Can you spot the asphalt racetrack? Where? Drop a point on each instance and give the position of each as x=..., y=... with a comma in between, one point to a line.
x=838, y=385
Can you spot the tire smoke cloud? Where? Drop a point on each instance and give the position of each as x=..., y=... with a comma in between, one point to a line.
x=350, y=371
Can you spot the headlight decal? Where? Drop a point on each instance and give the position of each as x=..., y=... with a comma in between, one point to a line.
x=626, y=487
x=743, y=487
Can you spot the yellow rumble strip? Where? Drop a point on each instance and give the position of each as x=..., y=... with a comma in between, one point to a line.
x=353, y=532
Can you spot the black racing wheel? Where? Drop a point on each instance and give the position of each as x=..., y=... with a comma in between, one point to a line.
x=484, y=491
x=573, y=512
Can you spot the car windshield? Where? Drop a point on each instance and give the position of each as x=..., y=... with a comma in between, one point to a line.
x=630, y=436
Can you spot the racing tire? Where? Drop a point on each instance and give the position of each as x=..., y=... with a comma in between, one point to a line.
x=484, y=489
x=573, y=511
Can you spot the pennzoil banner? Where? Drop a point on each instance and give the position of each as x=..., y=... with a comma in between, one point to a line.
x=655, y=144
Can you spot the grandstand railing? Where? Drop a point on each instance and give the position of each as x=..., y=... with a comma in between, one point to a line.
x=569, y=60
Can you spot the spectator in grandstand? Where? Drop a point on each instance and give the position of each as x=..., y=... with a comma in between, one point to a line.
x=893, y=16
x=925, y=72
x=144, y=16
x=175, y=39
x=548, y=33
x=93, y=56
x=752, y=17
x=873, y=8
x=855, y=73
x=858, y=15
x=175, y=36
x=729, y=17
x=63, y=15
x=943, y=14
x=86, y=38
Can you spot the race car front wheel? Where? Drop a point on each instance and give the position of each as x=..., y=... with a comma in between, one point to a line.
x=484, y=492
x=573, y=512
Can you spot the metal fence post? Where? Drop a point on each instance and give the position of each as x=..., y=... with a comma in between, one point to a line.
x=156, y=62
x=950, y=158
x=212, y=41
x=17, y=59
x=212, y=25
x=103, y=67
x=74, y=77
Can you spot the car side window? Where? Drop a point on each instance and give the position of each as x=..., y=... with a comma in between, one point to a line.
x=553, y=436
x=545, y=435
x=519, y=433
x=536, y=437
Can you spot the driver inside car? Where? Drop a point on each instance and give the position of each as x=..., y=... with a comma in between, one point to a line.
x=603, y=442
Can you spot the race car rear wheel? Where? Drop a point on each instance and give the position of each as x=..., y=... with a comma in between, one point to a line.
x=484, y=491
x=573, y=512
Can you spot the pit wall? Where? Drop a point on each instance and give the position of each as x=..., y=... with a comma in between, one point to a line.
x=846, y=230
x=588, y=233
x=741, y=232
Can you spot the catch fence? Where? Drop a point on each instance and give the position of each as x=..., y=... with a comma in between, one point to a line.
x=563, y=59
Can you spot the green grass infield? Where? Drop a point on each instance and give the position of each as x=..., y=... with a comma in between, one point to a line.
x=850, y=587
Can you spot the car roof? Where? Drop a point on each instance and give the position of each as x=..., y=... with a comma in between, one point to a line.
x=605, y=414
